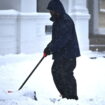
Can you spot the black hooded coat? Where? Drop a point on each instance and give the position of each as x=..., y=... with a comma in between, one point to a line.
x=64, y=39
x=64, y=47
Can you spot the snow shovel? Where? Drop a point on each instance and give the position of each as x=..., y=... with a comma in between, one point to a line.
x=44, y=55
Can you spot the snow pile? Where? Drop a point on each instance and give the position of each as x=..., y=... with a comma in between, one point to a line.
x=14, y=69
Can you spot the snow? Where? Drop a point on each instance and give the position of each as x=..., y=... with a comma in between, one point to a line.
x=14, y=69
x=9, y=12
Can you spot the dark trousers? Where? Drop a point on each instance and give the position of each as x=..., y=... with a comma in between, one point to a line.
x=62, y=71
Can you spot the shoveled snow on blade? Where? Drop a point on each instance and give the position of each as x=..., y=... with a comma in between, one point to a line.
x=7, y=95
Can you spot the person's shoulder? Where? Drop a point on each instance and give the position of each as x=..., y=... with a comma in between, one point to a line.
x=68, y=19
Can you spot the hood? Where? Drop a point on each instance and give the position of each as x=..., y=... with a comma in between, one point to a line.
x=56, y=5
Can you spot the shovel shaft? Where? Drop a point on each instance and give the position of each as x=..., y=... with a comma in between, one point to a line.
x=31, y=73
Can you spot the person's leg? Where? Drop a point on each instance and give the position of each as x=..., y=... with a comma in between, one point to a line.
x=69, y=80
x=65, y=82
x=57, y=76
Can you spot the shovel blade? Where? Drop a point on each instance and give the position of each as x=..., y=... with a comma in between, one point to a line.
x=9, y=91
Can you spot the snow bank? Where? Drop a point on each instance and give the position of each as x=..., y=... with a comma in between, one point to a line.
x=14, y=69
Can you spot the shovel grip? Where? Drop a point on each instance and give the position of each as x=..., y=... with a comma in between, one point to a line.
x=44, y=55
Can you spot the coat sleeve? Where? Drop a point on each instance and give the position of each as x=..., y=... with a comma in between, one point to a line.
x=65, y=35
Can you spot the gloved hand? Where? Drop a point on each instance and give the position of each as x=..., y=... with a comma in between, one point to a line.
x=47, y=51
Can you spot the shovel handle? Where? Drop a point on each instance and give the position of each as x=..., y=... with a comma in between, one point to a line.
x=32, y=72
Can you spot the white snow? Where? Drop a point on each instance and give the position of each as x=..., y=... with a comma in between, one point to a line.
x=9, y=12
x=14, y=69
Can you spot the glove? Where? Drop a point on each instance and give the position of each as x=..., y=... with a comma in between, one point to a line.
x=47, y=51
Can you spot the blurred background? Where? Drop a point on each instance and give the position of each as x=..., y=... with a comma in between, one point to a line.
x=25, y=26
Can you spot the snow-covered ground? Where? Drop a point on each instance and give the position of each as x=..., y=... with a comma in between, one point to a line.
x=90, y=75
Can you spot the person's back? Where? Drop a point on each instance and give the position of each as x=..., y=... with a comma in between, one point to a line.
x=67, y=44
